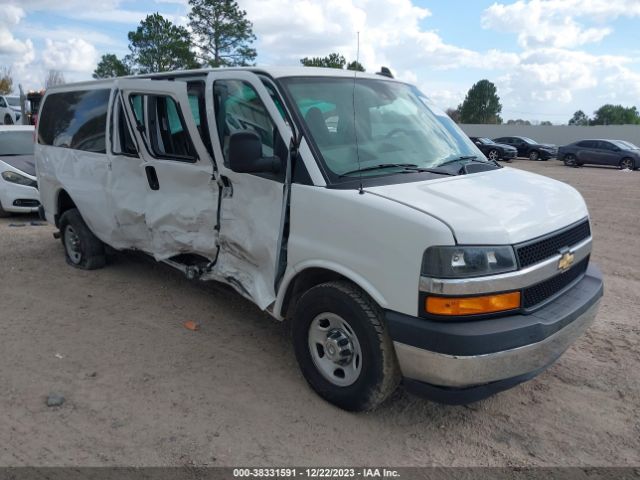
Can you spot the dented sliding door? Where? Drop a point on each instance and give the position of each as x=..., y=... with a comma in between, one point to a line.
x=180, y=191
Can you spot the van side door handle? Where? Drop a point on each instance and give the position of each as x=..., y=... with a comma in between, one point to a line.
x=152, y=177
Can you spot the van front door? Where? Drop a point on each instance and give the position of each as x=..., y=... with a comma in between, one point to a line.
x=178, y=189
x=253, y=205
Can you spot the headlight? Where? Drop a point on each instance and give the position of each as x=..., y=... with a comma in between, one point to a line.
x=461, y=262
x=14, y=177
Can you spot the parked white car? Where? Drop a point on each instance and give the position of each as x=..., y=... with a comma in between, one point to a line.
x=18, y=185
x=10, y=113
x=350, y=205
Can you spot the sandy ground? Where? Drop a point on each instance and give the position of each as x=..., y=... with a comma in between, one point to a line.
x=141, y=389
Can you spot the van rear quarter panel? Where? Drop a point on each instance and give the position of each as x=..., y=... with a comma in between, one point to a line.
x=84, y=176
x=375, y=242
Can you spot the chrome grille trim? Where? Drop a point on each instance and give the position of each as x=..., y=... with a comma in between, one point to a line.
x=516, y=280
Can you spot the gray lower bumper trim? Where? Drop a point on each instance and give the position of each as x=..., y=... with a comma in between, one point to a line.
x=464, y=371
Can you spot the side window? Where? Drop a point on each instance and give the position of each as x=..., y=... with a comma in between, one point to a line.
x=239, y=108
x=122, y=141
x=606, y=146
x=76, y=120
x=163, y=127
x=3, y=104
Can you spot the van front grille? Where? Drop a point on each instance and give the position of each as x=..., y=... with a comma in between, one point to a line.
x=538, y=250
x=536, y=294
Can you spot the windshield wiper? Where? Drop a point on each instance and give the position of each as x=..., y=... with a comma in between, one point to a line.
x=379, y=167
x=407, y=167
x=459, y=159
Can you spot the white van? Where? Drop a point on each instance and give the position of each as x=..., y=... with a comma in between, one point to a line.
x=349, y=205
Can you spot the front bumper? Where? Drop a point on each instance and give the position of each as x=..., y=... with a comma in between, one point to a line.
x=18, y=198
x=547, y=155
x=508, y=154
x=458, y=362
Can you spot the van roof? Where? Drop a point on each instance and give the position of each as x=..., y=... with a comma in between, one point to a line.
x=275, y=72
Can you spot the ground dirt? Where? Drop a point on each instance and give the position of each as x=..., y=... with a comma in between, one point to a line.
x=141, y=389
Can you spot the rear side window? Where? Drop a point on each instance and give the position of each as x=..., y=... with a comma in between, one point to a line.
x=163, y=127
x=76, y=120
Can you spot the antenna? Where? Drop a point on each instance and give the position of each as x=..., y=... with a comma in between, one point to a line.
x=355, y=126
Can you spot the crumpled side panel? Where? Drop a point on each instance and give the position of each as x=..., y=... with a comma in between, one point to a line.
x=183, y=222
x=249, y=238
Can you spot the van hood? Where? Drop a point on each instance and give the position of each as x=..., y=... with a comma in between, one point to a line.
x=497, y=207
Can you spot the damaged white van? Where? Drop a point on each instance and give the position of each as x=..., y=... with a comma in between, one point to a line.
x=349, y=205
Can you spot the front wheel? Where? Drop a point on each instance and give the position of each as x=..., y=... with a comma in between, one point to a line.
x=343, y=348
x=534, y=156
x=3, y=212
x=8, y=120
x=493, y=155
x=570, y=161
x=627, y=163
x=81, y=247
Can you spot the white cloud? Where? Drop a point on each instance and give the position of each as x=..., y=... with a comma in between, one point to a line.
x=555, y=77
x=71, y=55
x=390, y=34
x=552, y=23
x=10, y=16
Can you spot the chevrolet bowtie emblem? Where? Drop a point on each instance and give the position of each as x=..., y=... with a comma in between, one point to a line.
x=566, y=260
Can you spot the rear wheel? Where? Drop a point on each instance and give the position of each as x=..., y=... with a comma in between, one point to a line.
x=493, y=155
x=534, y=155
x=343, y=348
x=8, y=120
x=81, y=247
x=627, y=163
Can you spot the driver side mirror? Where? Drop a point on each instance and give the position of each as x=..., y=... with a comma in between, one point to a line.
x=245, y=154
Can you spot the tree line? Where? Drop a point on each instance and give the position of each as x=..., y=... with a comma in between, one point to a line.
x=219, y=35
x=482, y=105
x=607, y=115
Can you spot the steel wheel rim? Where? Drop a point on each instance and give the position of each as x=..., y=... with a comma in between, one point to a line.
x=533, y=156
x=72, y=245
x=570, y=160
x=329, y=337
x=493, y=155
x=627, y=163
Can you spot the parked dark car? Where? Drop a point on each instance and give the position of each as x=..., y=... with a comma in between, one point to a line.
x=616, y=153
x=530, y=148
x=493, y=150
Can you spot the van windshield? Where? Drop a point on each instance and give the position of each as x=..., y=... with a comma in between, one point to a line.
x=393, y=123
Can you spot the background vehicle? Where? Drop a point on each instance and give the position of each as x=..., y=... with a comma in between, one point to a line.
x=9, y=109
x=616, y=153
x=18, y=185
x=493, y=150
x=529, y=148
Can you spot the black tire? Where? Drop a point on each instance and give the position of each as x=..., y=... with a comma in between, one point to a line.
x=8, y=120
x=379, y=375
x=3, y=212
x=570, y=160
x=627, y=162
x=534, y=155
x=87, y=252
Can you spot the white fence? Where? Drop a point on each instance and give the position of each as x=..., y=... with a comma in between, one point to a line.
x=556, y=134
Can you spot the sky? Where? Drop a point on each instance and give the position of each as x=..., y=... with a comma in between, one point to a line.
x=548, y=58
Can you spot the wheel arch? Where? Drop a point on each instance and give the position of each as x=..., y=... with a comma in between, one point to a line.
x=304, y=277
x=64, y=202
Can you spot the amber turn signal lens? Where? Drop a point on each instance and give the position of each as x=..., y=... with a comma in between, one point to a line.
x=472, y=305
